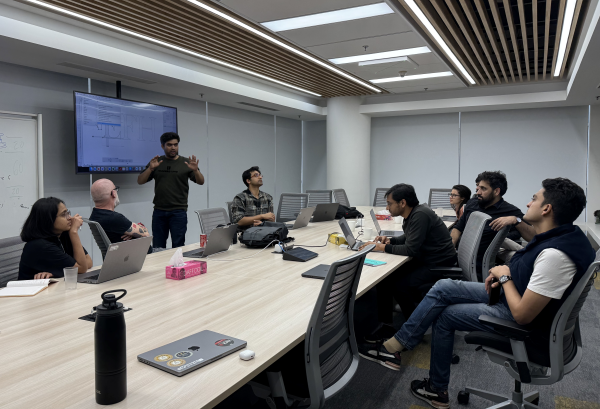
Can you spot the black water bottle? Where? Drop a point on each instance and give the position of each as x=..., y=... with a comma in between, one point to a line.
x=110, y=350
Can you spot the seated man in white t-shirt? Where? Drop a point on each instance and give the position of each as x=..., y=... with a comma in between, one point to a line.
x=539, y=279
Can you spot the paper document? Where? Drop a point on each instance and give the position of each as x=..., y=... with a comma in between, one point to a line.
x=25, y=288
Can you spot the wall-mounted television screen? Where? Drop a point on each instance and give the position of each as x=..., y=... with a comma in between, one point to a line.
x=117, y=135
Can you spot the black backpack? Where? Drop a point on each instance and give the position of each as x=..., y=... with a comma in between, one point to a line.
x=347, y=212
x=265, y=234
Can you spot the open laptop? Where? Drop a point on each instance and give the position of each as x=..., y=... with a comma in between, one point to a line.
x=190, y=353
x=352, y=243
x=219, y=240
x=302, y=219
x=123, y=258
x=325, y=212
x=387, y=233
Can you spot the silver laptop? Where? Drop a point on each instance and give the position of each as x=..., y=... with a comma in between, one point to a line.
x=302, y=219
x=325, y=212
x=193, y=352
x=219, y=240
x=352, y=243
x=387, y=233
x=123, y=258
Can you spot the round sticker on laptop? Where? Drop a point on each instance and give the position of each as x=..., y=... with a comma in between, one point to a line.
x=163, y=358
x=183, y=354
x=224, y=342
x=176, y=362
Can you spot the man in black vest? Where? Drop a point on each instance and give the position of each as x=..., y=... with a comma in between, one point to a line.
x=541, y=276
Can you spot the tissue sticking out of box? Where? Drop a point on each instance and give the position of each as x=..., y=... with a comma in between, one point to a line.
x=177, y=259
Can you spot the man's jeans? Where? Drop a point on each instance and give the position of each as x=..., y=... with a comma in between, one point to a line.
x=174, y=221
x=450, y=306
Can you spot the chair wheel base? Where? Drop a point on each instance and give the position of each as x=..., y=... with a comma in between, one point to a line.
x=463, y=397
x=455, y=359
x=536, y=401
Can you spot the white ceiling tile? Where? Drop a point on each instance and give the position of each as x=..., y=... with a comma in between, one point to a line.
x=430, y=87
x=345, y=31
x=269, y=10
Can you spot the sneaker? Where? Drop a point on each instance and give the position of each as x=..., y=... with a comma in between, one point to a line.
x=380, y=334
x=378, y=353
x=423, y=391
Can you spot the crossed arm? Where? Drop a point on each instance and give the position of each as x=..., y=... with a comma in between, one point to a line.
x=135, y=231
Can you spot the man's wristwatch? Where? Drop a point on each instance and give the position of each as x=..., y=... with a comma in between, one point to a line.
x=504, y=279
x=518, y=221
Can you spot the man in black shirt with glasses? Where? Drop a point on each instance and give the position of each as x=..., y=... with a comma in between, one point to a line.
x=491, y=186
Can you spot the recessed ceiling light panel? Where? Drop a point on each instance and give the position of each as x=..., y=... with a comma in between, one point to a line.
x=564, y=35
x=380, y=56
x=413, y=77
x=329, y=17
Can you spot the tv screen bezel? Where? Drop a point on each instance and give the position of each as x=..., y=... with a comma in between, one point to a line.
x=115, y=172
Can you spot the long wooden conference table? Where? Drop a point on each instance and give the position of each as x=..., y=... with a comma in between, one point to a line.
x=47, y=353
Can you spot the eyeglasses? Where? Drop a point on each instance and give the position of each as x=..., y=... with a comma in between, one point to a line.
x=116, y=188
x=66, y=214
x=256, y=175
x=453, y=195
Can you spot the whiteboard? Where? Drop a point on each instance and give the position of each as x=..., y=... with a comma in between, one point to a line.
x=21, y=182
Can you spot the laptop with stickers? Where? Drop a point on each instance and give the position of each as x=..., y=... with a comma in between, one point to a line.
x=190, y=353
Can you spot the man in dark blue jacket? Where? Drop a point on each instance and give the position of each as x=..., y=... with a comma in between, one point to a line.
x=541, y=276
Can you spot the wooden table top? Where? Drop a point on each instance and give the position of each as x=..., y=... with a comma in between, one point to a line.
x=48, y=353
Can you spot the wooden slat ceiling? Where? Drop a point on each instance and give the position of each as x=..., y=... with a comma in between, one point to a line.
x=186, y=25
x=502, y=41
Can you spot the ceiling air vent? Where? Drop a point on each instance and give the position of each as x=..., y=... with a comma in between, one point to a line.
x=258, y=106
x=105, y=72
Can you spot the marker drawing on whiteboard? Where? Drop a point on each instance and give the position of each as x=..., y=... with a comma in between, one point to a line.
x=2, y=143
x=24, y=207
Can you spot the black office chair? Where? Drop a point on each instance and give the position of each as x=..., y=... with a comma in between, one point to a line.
x=316, y=197
x=11, y=249
x=329, y=350
x=527, y=361
x=99, y=235
x=229, y=204
x=290, y=205
x=379, y=198
x=211, y=218
x=339, y=196
x=439, y=198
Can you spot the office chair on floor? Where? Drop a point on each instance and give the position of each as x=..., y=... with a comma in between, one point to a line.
x=528, y=362
x=100, y=236
x=339, y=196
x=329, y=350
x=211, y=218
x=316, y=197
x=290, y=205
x=11, y=249
x=379, y=199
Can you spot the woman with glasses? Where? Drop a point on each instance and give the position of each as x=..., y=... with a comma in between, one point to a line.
x=52, y=241
x=459, y=196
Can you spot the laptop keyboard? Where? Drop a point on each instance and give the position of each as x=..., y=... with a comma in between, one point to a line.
x=93, y=278
x=193, y=253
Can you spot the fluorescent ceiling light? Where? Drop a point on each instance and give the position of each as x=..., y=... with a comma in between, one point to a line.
x=174, y=47
x=380, y=56
x=413, y=77
x=280, y=43
x=564, y=35
x=329, y=17
x=417, y=11
x=386, y=60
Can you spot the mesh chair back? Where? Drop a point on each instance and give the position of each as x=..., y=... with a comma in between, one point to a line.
x=469, y=244
x=339, y=196
x=379, y=199
x=290, y=205
x=439, y=198
x=316, y=197
x=489, y=258
x=229, y=204
x=211, y=218
x=330, y=350
x=99, y=235
x=11, y=249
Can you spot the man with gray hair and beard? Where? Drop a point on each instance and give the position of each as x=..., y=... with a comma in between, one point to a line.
x=116, y=226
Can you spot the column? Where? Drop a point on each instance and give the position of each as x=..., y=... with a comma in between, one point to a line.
x=349, y=149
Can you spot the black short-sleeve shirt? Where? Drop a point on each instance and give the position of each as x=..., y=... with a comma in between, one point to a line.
x=45, y=255
x=171, y=185
x=113, y=223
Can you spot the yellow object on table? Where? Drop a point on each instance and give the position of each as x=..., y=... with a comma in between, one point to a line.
x=337, y=239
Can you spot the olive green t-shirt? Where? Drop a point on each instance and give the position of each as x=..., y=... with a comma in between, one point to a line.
x=171, y=183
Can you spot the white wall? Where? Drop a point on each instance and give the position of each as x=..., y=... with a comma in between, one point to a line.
x=232, y=141
x=418, y=150
x=315, y=155
x=593, y=193
x=528, y=145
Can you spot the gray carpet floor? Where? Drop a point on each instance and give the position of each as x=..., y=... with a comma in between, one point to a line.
x=377, y=387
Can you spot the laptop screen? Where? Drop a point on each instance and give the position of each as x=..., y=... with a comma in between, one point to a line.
x=375, y=222
x=347, y=232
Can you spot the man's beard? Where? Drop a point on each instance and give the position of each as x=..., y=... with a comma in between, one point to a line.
x=117, y=202
x=483, y=203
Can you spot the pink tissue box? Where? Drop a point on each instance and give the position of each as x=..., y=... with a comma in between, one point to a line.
x=383, y=217
x=189, y=269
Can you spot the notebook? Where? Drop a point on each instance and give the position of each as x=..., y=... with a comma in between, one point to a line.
x=25, y=288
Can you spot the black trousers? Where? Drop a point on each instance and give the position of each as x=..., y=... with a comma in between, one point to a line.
x=407, y=285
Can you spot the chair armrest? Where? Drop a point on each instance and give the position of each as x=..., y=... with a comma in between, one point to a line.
x=505, y=327
x=448, y=269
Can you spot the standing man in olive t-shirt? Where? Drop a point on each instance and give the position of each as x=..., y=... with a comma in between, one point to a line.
x=171, y=173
